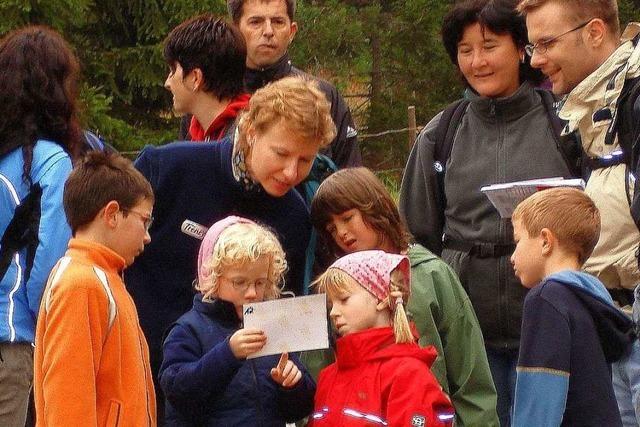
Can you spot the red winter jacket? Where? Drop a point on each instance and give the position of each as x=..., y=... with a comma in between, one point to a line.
x=378, y=382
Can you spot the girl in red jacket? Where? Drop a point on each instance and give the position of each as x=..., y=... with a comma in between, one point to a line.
x=381, y=376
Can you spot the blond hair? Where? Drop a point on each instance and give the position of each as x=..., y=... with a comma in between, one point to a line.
x=580, y=11
x=241, y=244
x=334, y=282
x=568, y=213
x=295, y=101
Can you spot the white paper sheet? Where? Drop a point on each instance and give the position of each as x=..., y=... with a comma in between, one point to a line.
x=505, y=197
x=290, y=324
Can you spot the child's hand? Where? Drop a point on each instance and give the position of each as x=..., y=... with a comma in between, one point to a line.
x=286, y=373
x=244, y=342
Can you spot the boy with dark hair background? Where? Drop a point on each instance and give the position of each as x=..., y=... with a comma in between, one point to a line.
x=91, y=357
x=206, y=57
x=571, y=329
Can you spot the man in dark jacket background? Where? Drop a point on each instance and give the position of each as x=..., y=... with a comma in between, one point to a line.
x=269, y=28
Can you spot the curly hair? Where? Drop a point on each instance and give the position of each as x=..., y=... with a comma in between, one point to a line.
x=241, y=244
x=298, y=103
x=38, y=89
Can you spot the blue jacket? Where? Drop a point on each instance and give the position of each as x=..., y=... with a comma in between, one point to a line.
x=205, y=385
x=194, y=181
x=20, y=298
x=571, y=332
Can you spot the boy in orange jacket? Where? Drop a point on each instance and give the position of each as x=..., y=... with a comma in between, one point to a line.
x=91, y=357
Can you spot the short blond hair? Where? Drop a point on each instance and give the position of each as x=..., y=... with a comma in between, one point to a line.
x=335, y=282
x=580, y=11
x=241, y=244
x=298, y=103
x=568, y=213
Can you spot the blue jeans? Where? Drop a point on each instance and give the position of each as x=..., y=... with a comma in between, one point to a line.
x=503, y=370
x=625, y=376
x=626, y=385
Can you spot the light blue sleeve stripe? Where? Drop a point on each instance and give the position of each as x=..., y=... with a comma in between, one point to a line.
x=540, y=397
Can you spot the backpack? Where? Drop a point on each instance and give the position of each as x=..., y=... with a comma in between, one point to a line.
x=22, y=231
x=322, y=167
x=569, y=146
x=628, y=131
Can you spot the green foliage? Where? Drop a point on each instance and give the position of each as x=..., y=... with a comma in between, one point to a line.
x=387, y=54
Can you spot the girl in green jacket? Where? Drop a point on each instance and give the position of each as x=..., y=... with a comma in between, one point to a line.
x=353, y=211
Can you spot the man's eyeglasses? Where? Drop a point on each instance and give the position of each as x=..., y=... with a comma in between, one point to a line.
x=543, y=45
x=241, y=285
x=146, y=219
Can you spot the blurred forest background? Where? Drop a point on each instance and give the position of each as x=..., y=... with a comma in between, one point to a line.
x=383, y=55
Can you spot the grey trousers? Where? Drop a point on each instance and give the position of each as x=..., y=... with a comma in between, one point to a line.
x=16, y=378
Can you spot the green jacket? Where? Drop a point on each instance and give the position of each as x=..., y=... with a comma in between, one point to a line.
x=444, y=317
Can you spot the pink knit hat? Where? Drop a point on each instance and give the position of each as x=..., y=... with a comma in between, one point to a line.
x=372, y=270
x=210, y=239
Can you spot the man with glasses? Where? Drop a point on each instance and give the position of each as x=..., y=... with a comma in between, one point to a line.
x=577, y=44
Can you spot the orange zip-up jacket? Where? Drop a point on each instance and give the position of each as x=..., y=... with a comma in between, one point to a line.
x=90, y=371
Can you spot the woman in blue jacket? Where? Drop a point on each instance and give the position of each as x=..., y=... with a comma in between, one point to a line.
x=39, y=135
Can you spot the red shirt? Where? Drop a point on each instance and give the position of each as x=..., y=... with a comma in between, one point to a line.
x=378, y=382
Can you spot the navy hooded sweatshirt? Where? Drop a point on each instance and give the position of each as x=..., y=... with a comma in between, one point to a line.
x=571, y=332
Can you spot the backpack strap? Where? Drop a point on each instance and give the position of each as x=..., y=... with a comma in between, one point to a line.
x=629, y=121
x=446, y=131
x=22, y=231
x=444, y=136
x=569, y=146
x=57, y=272
x=322, y=167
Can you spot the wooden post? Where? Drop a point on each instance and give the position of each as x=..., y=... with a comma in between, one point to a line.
x=413, y=129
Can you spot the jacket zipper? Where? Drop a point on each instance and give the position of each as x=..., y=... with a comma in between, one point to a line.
x=144, y=362
x=258, y=400
x=501, y=276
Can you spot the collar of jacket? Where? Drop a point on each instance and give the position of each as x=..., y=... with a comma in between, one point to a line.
x=96, y=254
x=600, y=91
x=508, y=108
x=255, y=79
x=222, y=311
x=378, y=344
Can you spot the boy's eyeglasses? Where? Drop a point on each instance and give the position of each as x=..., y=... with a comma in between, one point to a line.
x=241, y=285
x=146, y=219
x=542, y=46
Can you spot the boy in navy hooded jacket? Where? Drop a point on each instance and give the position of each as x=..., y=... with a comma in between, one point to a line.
x=571, y=331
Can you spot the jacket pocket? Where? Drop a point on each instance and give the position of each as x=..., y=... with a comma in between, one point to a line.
x=113, y=417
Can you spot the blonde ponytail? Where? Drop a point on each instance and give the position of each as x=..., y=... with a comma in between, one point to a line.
x=401, y=328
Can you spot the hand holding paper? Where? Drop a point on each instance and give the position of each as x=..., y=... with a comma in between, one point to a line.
x=286, y=373
x=246, y=341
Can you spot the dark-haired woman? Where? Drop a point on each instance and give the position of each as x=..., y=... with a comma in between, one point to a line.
x=505, y=134
x=39, y=135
